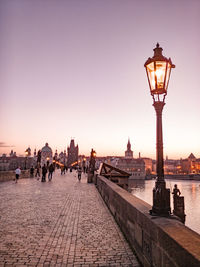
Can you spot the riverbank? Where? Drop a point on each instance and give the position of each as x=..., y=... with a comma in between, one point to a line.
x=195, y=177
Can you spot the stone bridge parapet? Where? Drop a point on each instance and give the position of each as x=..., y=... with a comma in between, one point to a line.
x=157, y=241
x=10, y=175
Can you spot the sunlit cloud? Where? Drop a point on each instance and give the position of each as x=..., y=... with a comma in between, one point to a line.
x=3, y=144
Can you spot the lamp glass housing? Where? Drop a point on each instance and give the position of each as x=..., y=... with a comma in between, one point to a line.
x=158, y=69
x=158, y=73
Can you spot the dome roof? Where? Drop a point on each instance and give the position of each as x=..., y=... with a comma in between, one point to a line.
x=46, y=148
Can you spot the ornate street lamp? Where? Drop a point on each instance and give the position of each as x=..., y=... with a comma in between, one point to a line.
x=91, y=165
x=158, y=70
x=26, y=155
x=92, y=161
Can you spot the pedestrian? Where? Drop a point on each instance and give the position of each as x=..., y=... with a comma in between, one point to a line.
x=87, y=169
x=79, y=173
x=66, y=168
x=84, y=169
x=37, y=174
x=44, y=172
x=51, y=170
x=31, y=172
x=62, y=168
x=17, y=174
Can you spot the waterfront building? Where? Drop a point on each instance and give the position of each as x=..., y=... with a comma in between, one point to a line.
x=171, y=166
x=46, y=155
x=72, y=154
x=136, y=167
x=148, y=165
x=190, y=165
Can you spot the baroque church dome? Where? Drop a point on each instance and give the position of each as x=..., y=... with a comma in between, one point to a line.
x=46, y=148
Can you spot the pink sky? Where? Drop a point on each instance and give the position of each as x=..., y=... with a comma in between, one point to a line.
x=76, y=69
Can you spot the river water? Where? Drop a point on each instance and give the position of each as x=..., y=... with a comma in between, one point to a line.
x=189, y=189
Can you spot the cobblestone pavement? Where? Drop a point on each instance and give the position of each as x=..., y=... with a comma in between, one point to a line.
x=59, y=223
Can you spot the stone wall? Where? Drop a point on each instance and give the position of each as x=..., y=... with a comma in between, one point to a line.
x=10, y=175
x=157, y=241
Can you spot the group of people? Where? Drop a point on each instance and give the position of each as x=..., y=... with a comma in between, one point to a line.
x=46, y=169
x=64, y=169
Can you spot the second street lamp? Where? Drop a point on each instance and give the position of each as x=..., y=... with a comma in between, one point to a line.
x=158, y=70
x=26, y=155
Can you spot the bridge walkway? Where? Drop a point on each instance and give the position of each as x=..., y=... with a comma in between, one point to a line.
x=59, y=223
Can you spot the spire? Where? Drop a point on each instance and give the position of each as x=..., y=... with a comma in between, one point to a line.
x=129, y=152
x=128, y=145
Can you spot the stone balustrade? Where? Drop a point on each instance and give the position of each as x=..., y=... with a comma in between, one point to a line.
x=10, y=175
x=157, y=241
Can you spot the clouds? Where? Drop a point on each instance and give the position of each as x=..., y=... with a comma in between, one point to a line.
x=3, y=144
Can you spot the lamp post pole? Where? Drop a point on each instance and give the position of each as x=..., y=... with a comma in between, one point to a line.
x=26, y=155
x=158, y=70
x=91, y=166
x=161, y=195
x=159, y=140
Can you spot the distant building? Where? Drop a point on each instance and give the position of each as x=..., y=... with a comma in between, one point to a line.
x=148, y=165
x=129, y=152
x=63, y=157
x=136, y=167
x=46, y=155
x=171, y=166
x=190, y=165
x=13, y=161
x=72, y=154
x=12, y=154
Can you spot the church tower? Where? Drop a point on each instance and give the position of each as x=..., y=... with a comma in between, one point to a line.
x=72, y=154
x=129, y=152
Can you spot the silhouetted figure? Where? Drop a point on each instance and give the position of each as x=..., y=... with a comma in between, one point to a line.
x=44, y=172
x=79, y=173
x=84, y=169
x=176, y=191
x=39, y=156
x=37, y=174
x=179, y=206
x=31, y=172
x=62, y=169
x=66, y=169
x=17, y=174
x=51, y=170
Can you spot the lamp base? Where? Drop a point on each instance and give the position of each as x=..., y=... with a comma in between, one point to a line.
x=161, y=200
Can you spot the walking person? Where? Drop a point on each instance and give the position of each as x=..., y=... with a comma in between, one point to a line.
x=51, y=170
x=79, y=173
x=62, y=168
x=37, y=174
x=66, y=168
x=17, y=174
x=31, y=172
x=44, y=172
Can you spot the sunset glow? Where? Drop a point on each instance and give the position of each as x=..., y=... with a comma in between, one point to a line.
x=75, y=69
